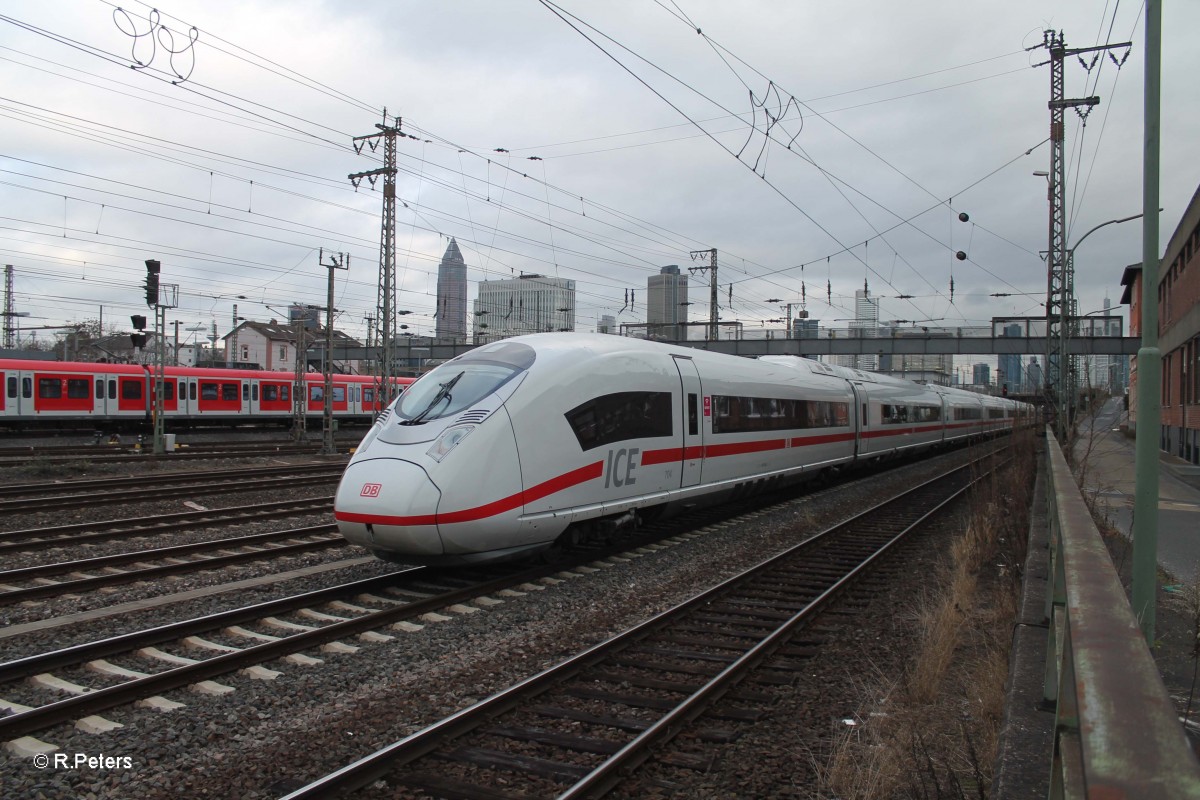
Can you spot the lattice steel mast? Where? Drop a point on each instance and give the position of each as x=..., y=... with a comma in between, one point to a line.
x=383, y=339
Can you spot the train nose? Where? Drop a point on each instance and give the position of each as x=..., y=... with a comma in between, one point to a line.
x=389, y=504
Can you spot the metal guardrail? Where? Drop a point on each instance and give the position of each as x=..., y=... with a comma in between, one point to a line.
x=1116, y=732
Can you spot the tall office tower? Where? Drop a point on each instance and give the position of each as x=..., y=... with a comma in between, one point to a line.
x=452, y=294
x=1008, y=365
x=981, y=374
x=1033, y=376
x=607, y=324
x=528, y=304
x=865, y=325
x=666, y=295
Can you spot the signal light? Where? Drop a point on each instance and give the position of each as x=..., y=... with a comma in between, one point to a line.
x=153, y=268
x=139, y=322
x=139, y=339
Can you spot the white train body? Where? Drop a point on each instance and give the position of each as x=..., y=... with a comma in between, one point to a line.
x=500, y=451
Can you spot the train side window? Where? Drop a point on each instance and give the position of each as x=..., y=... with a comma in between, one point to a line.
x=77, y=388
x=254, y=392
x=285, y=393
x=245, y=391
x=182, y=390
x=620, y=416
x=316, y=393
x=112, y=388
x=191, y=391
x=270, y=392
x=368, y=394
x=339, y=394
x=209, y=391
x=693, y=416
x=12, y=386
x=99, y=388
x=27, y=388
x=168, y=390
x=131, y=390
x=49, y=388
x=229, y=391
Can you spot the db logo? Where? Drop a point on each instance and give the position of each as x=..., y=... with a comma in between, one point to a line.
x=371, y=490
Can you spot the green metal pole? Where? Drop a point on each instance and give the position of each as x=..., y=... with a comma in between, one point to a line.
x=1149, y=359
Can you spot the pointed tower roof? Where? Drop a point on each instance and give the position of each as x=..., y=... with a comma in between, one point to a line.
x=453, y=254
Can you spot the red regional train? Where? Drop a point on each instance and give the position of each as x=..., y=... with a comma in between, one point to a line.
x=61, y=394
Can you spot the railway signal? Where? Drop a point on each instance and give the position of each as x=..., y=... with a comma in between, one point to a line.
x=153, y=268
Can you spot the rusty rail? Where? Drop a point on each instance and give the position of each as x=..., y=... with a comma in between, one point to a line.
x=1116, y=731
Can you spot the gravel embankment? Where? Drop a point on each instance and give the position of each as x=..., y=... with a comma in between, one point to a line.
x=268, y=736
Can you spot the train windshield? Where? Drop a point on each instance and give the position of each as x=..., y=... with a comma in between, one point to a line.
x=463, y=381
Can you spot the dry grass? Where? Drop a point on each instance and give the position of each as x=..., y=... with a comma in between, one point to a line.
x=934, y=732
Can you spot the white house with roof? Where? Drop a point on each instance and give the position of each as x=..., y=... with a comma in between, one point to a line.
x=272, y=346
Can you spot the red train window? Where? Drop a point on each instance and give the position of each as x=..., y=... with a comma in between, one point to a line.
x=208, y=391
x=12, y=386
x=131, y=390
x=339, y=394
x=245, y=391
x=112, y=388
x=49, y=388
x=99, y=388
x=77, y=388
x=229, y=391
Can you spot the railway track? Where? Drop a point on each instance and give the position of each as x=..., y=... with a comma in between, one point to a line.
x=251, y=637
x=42, y=496
x=134, y=453
x=581, y=727
x=92, y=532
x=71, y=577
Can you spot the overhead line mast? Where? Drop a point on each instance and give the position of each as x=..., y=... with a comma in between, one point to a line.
x=384, y=335
x=1060, y=274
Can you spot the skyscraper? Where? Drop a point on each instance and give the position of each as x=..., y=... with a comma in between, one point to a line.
x=452, y=294
x=666, y=294
x=1008, y=365
x=865, y=325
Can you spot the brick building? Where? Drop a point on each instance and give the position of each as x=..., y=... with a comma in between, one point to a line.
x=1177, y=285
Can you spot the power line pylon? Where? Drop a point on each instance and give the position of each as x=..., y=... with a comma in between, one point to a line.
x=1060, y=271
x=383, y=340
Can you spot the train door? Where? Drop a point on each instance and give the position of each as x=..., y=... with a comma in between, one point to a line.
x=860, y=416
x=692, y=422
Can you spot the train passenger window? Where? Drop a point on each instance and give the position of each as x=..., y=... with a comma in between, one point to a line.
x=254, y=392
x=339, y=394
x=368, y=394
x=620, y=416
x=112, y=388
x=191, y=391
x=99, y=388
x=245, y=391
x=209, y=391
x=26, y=388
x=229, y=391
x=693, y=416
x=168, y=390
x=316, y=394
x=77, y=388
x=733, y=414
x=131, y=390
x=182, y=390
x=49, y=388
x=270, y=392
x=285, y=393
x=12, y=386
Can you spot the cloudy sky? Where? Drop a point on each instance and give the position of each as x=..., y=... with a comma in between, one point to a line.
x=816, y=146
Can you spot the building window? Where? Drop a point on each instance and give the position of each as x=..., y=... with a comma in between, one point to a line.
x=282, y=352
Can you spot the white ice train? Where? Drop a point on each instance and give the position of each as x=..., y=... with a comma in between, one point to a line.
x=536, y=441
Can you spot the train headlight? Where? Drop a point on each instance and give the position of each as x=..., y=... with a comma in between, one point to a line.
x=448, y=441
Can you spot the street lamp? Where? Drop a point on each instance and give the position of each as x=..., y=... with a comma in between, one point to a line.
x=1066, y=389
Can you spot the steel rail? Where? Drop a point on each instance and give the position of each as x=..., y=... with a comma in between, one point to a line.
x=50, y=487
x=124, y=643
x=77, y=533
x=98, y=581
